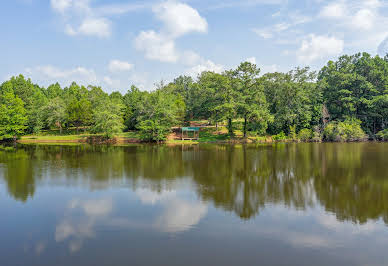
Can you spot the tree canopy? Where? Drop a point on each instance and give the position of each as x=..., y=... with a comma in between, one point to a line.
x=353, y=88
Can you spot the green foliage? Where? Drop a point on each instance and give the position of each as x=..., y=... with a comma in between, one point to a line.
x=305, y=135
x=13, y=117
x=56, y=113
x=383, y=135
x=357, y=86
x=316, y=134
x=133, y=101
x=152, y=130
x=297, y=101
x=280, y=136
x=160, y=111
x=79, y=109
x=293, y=136
x=294, y=99
x=348, y=130
x=108, y=119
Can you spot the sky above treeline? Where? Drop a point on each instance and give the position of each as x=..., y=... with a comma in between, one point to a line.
x=119, y=43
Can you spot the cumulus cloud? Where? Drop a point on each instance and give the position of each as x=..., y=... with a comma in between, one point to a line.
x=156, y=46
x=119, y=66
x=383, y=47
x=49, y=73
x=355, y=15
x=319, y=47
x=99, y=27
x=177, y=20
x=288, y=23
x=61, y=5
x=81, y=19
x=251, y=60
x=334, y=10
x=206, y=65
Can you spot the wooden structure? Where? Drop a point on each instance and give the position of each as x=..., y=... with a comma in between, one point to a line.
x=190, y=133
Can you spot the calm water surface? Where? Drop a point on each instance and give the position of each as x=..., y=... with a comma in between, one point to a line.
x=294, y=204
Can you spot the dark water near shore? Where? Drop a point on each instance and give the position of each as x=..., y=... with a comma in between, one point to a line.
x=285, y=204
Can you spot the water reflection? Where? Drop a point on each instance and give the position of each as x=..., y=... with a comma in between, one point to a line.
x=77, y=228
x=344, y=179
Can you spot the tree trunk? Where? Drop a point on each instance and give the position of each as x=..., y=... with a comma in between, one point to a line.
x=230, y=127
x=60, y=128
x=245, y=126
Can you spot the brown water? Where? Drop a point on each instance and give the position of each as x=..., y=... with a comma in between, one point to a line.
x=285, y=204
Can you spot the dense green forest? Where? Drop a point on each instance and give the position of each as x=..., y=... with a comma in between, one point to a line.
x=347, y=100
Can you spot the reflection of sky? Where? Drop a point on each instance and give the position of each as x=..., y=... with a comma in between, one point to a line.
x=178, y=213
x=80, y=222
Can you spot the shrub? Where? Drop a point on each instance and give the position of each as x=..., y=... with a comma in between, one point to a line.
x=316, y=136
x=305, y=134
x=280, y=136
x=293, y=135
x=383, y=135
x=152, y=131
x=348, y=130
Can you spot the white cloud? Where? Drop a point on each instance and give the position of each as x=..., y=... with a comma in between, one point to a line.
x=263, y=33
x=99, y=27
x=251, y=60
x=364, y=19
x=81, y=19
x=334, y=10
x=118, y=66
x=354, y=15
x=156, y=46
x=294, y=19
x=383, y=47
x=61, y=5
x=206, y=65
x=53, y=74
x=190, y=58
x=319, y=47
x=180, y=18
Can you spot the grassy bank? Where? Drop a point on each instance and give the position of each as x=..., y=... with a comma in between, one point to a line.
x=207, y=135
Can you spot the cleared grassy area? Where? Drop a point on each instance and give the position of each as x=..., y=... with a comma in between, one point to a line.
x=207, y=135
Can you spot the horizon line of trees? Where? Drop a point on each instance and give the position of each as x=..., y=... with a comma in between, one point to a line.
x=346, y=100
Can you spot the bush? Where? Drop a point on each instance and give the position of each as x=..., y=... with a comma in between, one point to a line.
x=383, y=135
x=293, y=135
x=316, y=136
x=305, y=134
x=280, y=136
x=152, y=131
x=348, y=130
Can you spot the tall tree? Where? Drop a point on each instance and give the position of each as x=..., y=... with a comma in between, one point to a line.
x=108, y=118
x=56, y=113
x=13, y=117
x=251, y=103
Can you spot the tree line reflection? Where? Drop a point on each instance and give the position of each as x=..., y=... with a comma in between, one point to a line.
x=349, y=180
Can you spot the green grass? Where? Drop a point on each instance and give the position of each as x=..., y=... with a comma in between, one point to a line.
x=129, y=134
x=55, y=137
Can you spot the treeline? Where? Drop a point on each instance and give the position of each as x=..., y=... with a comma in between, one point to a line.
x=347, y=100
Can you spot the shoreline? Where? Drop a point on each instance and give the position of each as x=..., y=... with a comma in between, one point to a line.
x=122, y=140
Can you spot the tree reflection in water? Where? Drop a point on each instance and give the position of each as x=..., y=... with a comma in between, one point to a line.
x=348, y=180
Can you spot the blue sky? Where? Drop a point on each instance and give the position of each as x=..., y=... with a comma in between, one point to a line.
x=117, y=43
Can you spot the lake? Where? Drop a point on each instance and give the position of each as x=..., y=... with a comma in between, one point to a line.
x=283, y=204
